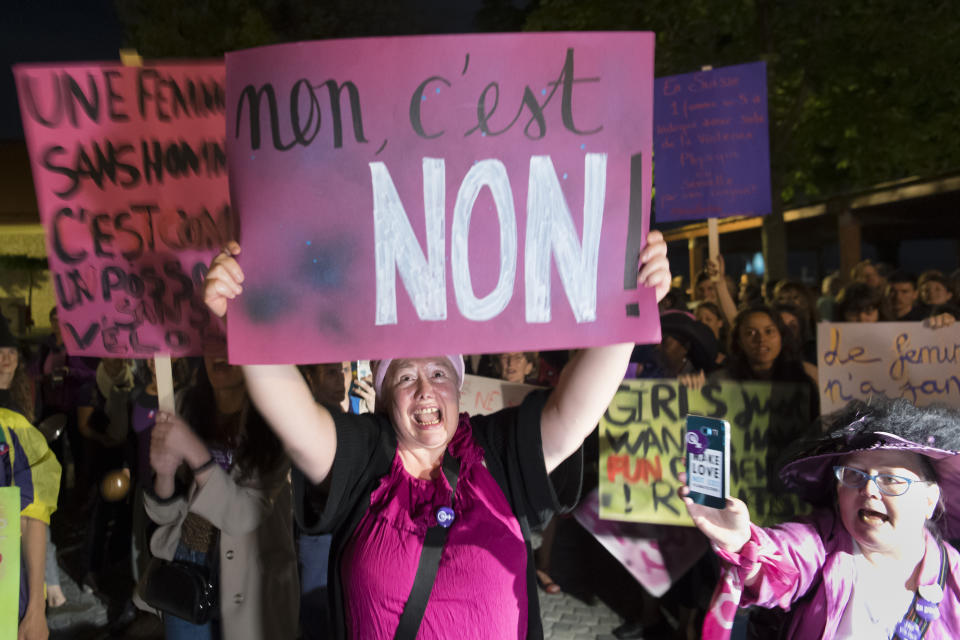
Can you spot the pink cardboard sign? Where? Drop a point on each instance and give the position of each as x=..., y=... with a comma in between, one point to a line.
x=129, y=164
x=441, y=194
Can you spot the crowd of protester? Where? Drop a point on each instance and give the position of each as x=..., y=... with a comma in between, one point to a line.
x=276, y=482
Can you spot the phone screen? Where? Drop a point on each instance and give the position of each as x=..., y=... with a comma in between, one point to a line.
x=708, y=460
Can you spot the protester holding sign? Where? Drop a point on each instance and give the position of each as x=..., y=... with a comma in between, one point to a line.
x=231, y=517
x=375, y=480
x=871, y=563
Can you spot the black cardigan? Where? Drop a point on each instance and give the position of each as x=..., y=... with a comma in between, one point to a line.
x=366, y=445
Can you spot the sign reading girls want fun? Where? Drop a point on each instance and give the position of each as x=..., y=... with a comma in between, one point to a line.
x=130, y=172
x=442, y=194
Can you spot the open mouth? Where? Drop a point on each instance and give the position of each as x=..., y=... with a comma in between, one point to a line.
x=427, y=417
x=872, y=517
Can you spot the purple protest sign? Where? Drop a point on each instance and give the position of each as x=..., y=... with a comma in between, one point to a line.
x=711, y=140
x=442, y=194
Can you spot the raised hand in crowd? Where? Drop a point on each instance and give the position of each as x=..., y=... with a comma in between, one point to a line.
x=727, y=528
x=224, y=280
x=363, y=387
x=172, y=443
x=940, y=321
x=716, y=269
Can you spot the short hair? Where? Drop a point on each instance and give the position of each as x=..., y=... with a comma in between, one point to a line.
x=901, y=277
x=857, y=297
x=933, y=276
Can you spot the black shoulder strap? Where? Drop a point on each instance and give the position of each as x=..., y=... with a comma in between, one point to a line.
x=429, y=564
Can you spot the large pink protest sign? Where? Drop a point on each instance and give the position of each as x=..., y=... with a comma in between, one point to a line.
x=442, y=194
x=129, y=165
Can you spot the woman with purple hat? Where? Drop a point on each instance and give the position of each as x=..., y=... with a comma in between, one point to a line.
x=871, y=562
x=430, y=508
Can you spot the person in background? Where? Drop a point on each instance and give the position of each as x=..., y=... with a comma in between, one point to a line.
x=870, y=562
x=903, y=299
x=760, y=349
x=934, y=289
x=750, y=292
x=798, y=330
x=797, y=294
x=518, y=366
x=710, y=315
x=66, y=386
x=676, y=299
x=27, y=463
x=826, y=303
x=858, y=302
x=865, y=272
x=233, y=500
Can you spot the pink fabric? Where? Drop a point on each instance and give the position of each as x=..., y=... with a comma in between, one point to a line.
x=481, y=585
x=816, y=556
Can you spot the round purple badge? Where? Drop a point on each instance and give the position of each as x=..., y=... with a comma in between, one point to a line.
x=908, y=630
x=927, y=610
x=445, y=517
x=696, y=442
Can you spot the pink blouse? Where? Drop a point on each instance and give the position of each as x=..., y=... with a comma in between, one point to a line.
x=481, y=585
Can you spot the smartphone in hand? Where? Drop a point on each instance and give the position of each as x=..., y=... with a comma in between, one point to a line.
x=707, y=443
x=359, y=369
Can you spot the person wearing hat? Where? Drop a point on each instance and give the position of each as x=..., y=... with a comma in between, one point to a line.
x=385, y=486
x=870, y=562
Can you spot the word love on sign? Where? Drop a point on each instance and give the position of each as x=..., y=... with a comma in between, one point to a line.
x=444, y=194
x=642, y=448
x=129, y=164
x=895, y=359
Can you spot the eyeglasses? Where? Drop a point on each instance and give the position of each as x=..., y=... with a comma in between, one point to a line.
x=888, y=484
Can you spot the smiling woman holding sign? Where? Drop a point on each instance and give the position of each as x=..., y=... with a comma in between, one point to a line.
x=431, y=509
x=871, y=563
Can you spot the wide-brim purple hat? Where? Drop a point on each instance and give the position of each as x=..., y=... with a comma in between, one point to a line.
x=931, y=432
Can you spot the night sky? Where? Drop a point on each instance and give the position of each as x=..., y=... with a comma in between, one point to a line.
x=51, y=31
x=88, y=30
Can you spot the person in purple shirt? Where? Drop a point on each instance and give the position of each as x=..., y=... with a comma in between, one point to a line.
x=381, y=482
x=871, y=562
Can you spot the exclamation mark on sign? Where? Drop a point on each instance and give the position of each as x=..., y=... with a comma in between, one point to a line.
x=626, y=494
x=634, y=230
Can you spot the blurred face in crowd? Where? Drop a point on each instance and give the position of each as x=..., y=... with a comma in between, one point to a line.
x=706, y=291
x=870, y=314
x=221, y=373
x=869, y=275
x=885, y=523
x=709, y=318
x=760, y=340
x=9, y=358
x=901, y=296
x=791, y=322
x=515, y=367
x=423, y=401
x=330, y=382
x=932, y=292
x=674, y=355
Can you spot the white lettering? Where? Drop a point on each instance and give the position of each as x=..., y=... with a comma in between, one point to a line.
x=550, y=228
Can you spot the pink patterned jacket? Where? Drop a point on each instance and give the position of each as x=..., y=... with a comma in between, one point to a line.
x=807, y=567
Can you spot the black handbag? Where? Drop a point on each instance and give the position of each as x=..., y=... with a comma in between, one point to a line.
x=181, y=589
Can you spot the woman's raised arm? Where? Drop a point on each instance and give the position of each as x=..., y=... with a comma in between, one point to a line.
x=281, y=394
x=588, y=383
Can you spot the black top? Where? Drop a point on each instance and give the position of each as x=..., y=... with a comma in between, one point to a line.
x=366, y=446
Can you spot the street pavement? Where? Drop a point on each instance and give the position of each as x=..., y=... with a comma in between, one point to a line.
x=84, y=617
x=567, y=618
